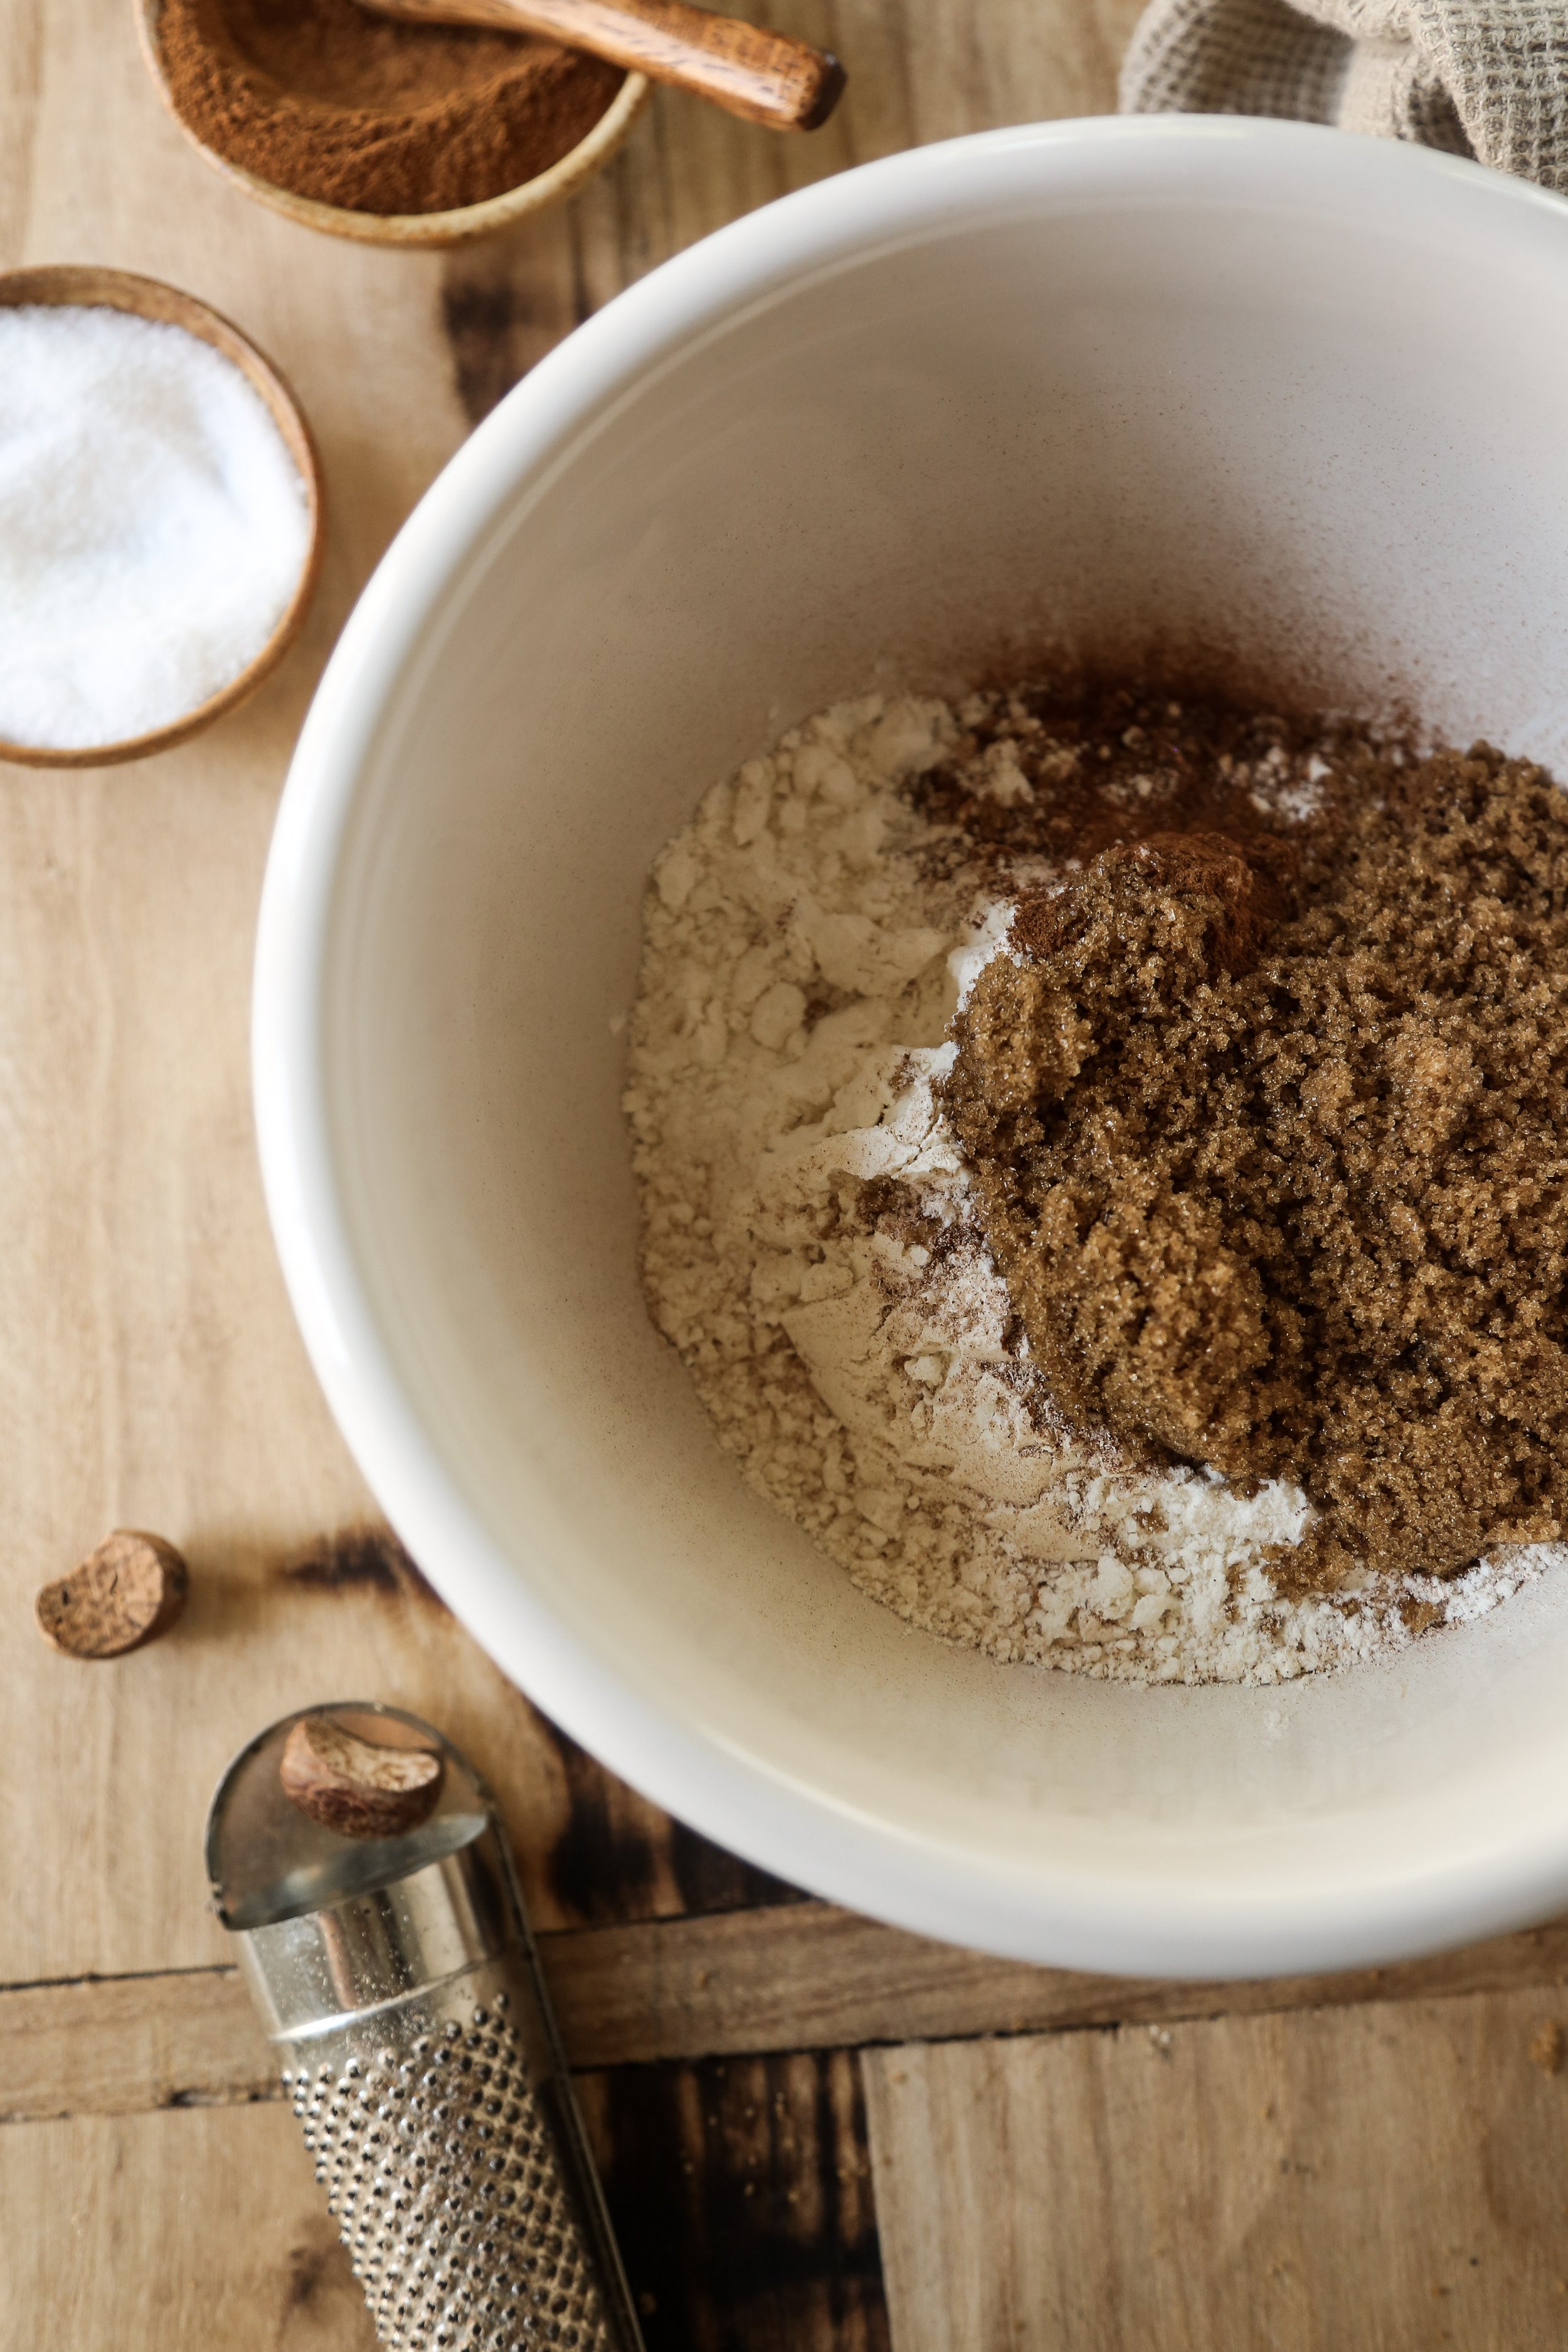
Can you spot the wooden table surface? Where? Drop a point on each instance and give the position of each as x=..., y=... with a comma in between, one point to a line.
x=816, y=2133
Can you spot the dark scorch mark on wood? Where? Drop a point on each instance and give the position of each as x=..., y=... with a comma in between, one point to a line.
x=615, y=1856
x=321, y=2301
x=505, y=303
x=479, y=319
x=363, y=1560
x=618, y=1857
x=741, y=2194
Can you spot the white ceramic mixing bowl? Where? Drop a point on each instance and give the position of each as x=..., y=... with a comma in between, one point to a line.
x=1157, y=386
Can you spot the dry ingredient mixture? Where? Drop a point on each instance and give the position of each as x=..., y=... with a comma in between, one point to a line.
x=321, y=98
x=1103, y=1162
x=153, y=526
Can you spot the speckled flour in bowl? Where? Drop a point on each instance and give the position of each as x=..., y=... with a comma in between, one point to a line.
x=812, y=1244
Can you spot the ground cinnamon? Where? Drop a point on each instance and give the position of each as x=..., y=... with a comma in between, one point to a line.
x=323, y=99
x=1269, y=1132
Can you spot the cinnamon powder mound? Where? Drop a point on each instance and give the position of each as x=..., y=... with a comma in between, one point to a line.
x=321, y=98
x=1269, y=1139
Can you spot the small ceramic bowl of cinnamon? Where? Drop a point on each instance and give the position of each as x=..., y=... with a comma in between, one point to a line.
x=385, y=132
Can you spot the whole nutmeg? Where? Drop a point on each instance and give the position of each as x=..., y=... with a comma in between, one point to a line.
x=358, y=1787
x=125, y=1593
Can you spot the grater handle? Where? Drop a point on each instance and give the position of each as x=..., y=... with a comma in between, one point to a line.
x=446, y=2133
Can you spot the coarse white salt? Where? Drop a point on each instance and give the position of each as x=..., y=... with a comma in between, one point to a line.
x=153, y=526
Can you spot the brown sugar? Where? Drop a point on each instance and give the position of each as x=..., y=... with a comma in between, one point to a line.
x=1269, y=1134
x=323, y=99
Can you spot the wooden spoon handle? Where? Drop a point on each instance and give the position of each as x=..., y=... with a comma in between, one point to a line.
x=768, y=78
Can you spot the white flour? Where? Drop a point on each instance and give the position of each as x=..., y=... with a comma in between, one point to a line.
x=810, y=1248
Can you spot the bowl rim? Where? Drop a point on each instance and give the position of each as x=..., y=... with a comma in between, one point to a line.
x=460, y=223
x=86, y=286
x=1064, y=1911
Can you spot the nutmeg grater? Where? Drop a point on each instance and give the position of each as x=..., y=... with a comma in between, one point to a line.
x=400, y=1985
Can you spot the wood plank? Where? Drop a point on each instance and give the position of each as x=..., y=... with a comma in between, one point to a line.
x=129, y=2045
x=741, y=2195
x=728, y=1984
x=920, y=70
x=152, y=1374
x=1381, y=2180
x=1369, y=2181
x=607, y=1853
x=821, y=1977
x=179, y=2232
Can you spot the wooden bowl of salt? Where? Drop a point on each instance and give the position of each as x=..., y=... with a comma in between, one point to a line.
x=88, y=288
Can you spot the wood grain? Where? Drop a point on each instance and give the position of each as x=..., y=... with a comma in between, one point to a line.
x=154, y=1376
x=757, y=1981
x=1023, y=2189
x=919, y=70
x=1382, y=2180
x=344, y=1616
x=129, y=2045
x=740, y=2196
x=1373, y=2180
x=738, y=1983
x=170, y=2231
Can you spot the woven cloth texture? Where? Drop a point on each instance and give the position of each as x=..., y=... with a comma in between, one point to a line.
x=1482, y=78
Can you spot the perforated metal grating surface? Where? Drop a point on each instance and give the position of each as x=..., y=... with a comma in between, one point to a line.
x=441, y=2166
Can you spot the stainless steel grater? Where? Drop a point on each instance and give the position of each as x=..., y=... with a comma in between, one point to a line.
x=401, y=1990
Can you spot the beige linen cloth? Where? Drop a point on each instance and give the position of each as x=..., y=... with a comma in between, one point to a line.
x=1482, y=78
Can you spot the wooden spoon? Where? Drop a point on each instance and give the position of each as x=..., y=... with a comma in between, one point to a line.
x=768, y=78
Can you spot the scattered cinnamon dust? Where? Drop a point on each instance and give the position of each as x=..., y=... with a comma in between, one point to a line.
x=1269, y=1128
x=322, y=97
